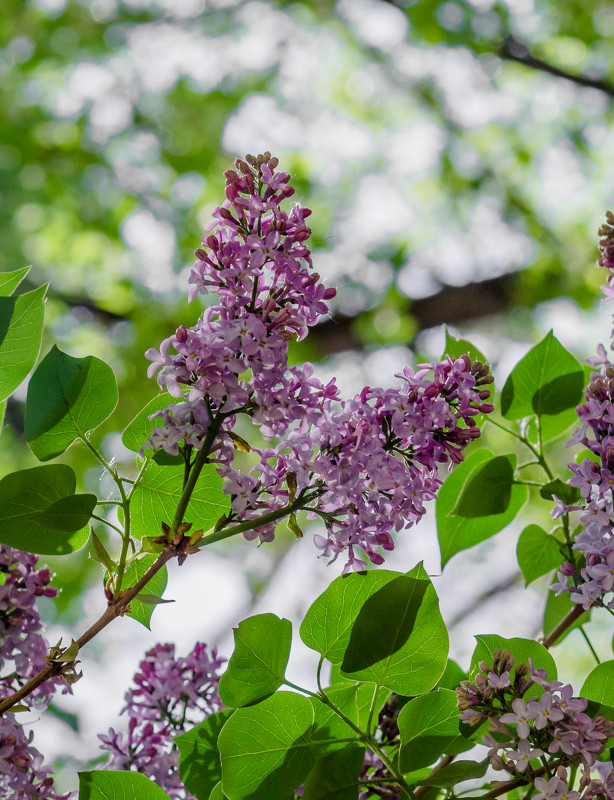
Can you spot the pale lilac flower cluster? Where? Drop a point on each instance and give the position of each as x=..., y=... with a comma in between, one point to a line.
x=553, y=727
x=365, y=466
x=170, y=696
x=370, y=462
x=594, y=477
x=22, y=655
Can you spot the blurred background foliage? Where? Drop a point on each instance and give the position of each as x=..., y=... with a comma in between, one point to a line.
x=458, y=157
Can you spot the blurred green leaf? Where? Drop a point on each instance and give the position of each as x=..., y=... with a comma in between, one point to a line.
x=67, y=398
x=40, y=513
x=21, y=329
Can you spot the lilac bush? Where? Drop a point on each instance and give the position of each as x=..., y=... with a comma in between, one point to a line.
x=389, y=724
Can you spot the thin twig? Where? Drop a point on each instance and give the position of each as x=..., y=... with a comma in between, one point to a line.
x=514, y=50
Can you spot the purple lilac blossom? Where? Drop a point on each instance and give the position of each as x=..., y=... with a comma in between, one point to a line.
x=364, y=466
x=22, y=655
x=552, y=727
x=592, y=581
x=170, y=696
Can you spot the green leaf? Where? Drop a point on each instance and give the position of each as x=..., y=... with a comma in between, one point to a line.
x=140, y=428
x=548, y=380
x=327, y=625
x=455, y=348
x=258, y=665
x=21, y=330
x=568, y=494
x=447, y=777
x=40, y=513
x=521, y=649
x=537, y=552
x=459, y=533
x=67, y=398
x=139, y=610
x=9, y=281
x=98, y=552
x=488, y=492
x=399, y=638
x=557, y=608
x=155, y=499
x=199, y=759
x=118, y=785
x=217, y=792
x=266, y=749
x=599, y=684
x=335, y=776
x=68, y=513
x=426, y=725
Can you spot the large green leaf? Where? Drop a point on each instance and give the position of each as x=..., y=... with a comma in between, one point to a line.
x=67, y=397
x=335, y=777
x=537, y=552
x=399, y=638
x=452, y=774
x=155, y=499
x=266, y=749
x=140, y=611
x=426, y=725
x=118, y=785
x=521, y=649
x=489, y=490
x=200, y=768
x=257, y=666
x=599, y=684
x=21, y=330
x=548, y=380
x=9, y=281
x=40, y=513
x=456, y=533
x=327, y=625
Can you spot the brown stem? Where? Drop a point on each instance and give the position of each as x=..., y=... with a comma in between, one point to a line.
x=568, y=620
x=117, y=608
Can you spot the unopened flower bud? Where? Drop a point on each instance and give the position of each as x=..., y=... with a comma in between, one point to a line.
x=496, y=762
x=182, y=334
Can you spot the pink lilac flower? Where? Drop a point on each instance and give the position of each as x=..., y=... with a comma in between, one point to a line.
x=365, y=466
x=523, y=755
x=23, y=648
x=170, y=695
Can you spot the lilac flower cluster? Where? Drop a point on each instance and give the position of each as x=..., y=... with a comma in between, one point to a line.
x=170, y=696
x=594, y=477
x=22, y=655
x=553, y=727
x=369, y=463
